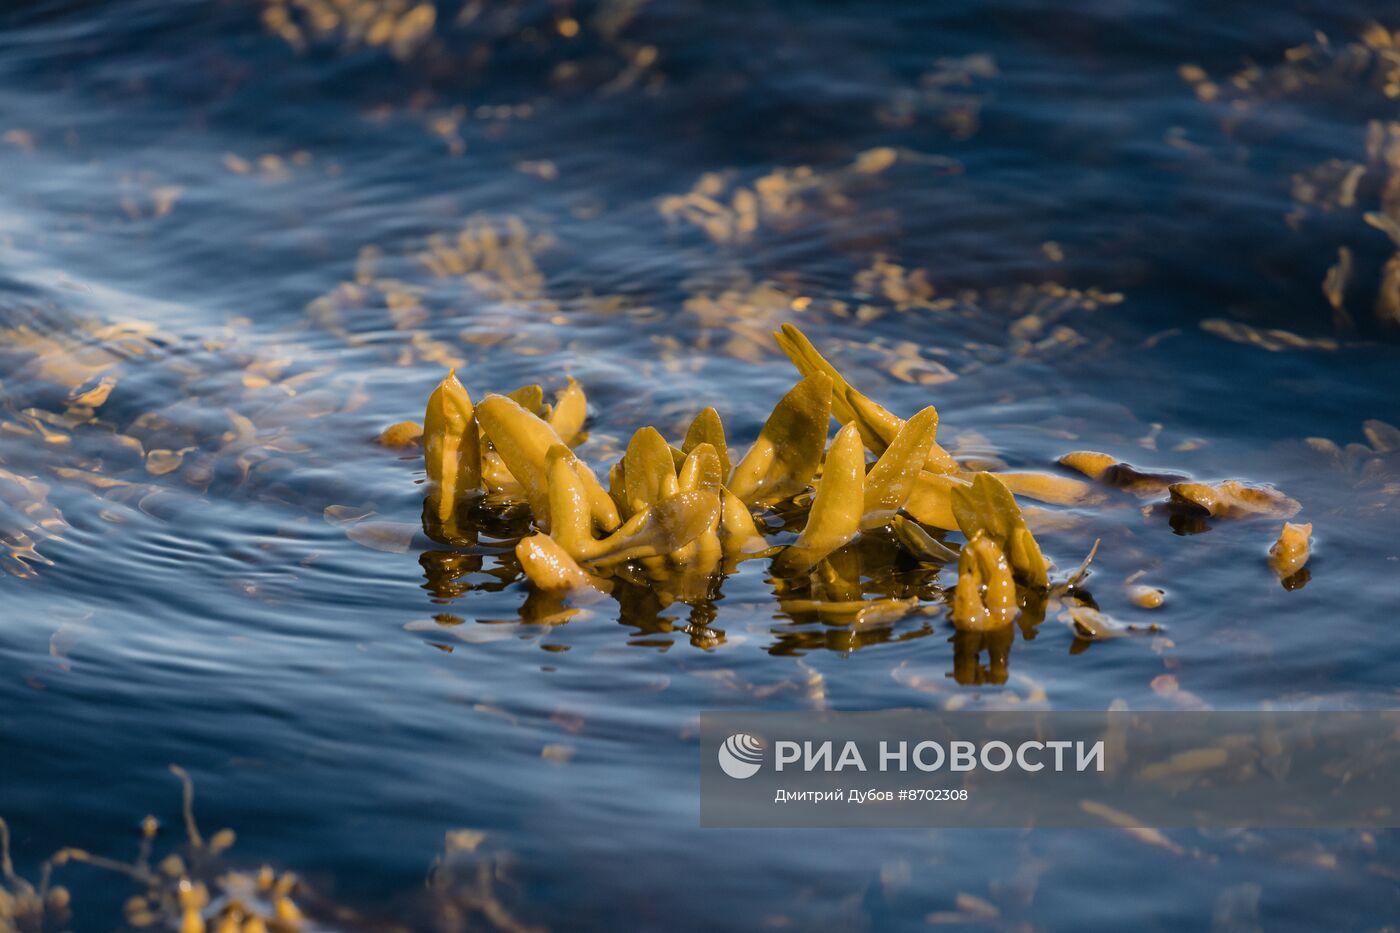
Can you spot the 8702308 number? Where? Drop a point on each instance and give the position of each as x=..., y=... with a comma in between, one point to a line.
x=935, y=794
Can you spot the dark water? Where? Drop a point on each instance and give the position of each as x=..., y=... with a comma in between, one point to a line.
x=268, y=247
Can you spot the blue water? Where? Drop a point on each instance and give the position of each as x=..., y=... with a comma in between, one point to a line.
x=235, y=231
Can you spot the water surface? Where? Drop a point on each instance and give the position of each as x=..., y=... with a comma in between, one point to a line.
x=268, y=241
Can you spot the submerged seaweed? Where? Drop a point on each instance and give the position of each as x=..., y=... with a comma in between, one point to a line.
x=191, y=889
x=1359, y=196
x=196, y=887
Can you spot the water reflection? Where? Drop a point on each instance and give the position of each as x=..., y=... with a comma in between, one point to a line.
x=968, y=648
x=871, y=592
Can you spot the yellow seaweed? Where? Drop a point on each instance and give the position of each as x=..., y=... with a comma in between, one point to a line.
x=809, y=362
x=1092, y=463
x=701, y=469
x=648, y=471
x=789, y=447
x=857, y=611
x=987, y=506
x=530, y=398
x=570, y=412
x=523, y=441
x=1109, y=471
x=837, y=505
x=1025, y=555
x=550, y=567
x=659, y=529
x=985, y=596
x=450, y=445
x=707, y=428
x=920, y=543
x=690, y=514
x=878, y=426
x=617, y=484
x=1092, y=625
x=736, y=524
x=1234, y=499
x=1081, y=573
x=1043, y=487
x=931, y=501
x=402, y=434
x=1146, y=597
x=570, y=517
x=694, y=562
x=497, y=478
x=892, y=479
x=1290, y=552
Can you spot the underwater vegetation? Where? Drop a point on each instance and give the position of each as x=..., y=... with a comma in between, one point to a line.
x=880, y=506
x=1351, y=204
x=189, y=889
x=196, y=888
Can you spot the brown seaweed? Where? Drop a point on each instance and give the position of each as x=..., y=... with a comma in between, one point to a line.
x=677, y=517
x=1109, y=471
x=1233, y=499
x=1291, y=551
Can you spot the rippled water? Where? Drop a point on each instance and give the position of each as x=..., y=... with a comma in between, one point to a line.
x=258, y=244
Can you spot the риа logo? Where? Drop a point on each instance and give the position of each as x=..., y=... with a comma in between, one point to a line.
x=741, y=756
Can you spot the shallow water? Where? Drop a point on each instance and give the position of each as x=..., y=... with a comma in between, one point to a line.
x=270, y=251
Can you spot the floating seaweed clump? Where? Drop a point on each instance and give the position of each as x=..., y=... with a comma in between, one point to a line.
x=671, y=518
x=1289, y=555
x=835, y=517
x=1233, y=498
x=679, y=515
